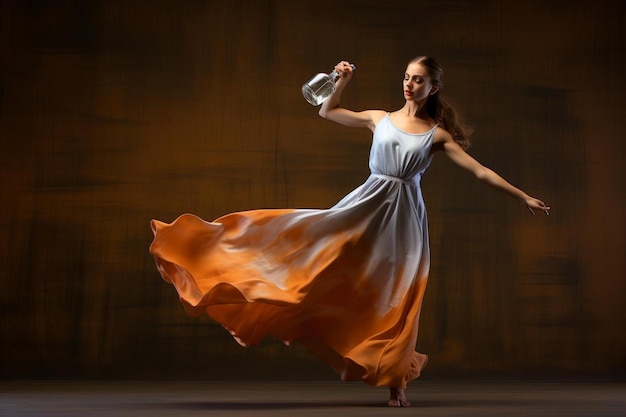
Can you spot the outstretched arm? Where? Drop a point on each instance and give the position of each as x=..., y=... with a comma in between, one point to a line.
x=331, y=109
x=464, y=160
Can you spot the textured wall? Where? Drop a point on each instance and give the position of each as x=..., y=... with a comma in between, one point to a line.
x=116, y=112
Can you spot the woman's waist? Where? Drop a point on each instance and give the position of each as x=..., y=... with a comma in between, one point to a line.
x=412, y=180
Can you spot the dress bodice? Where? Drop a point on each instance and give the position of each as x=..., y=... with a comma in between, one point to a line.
x=396, y=153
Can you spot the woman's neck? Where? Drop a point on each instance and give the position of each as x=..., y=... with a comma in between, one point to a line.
x=414, y=109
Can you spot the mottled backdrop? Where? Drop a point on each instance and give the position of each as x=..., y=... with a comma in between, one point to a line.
x=115, y=112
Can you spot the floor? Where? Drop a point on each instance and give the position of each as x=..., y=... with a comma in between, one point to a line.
x=302, y=399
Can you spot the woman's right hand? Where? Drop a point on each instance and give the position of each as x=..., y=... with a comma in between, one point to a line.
x=344, y=70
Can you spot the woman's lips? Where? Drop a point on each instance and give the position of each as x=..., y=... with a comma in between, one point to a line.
x=408, y=93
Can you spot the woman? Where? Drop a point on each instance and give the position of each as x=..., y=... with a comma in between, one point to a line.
x=346, y=282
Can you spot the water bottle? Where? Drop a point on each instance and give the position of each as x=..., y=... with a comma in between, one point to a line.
x=320, y=87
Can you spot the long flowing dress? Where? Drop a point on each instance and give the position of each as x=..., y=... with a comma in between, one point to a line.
x=346, y=282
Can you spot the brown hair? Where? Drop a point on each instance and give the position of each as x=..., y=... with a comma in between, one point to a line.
x=439, y=109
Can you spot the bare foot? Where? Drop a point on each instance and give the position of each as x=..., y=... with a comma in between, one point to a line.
x=397, y=398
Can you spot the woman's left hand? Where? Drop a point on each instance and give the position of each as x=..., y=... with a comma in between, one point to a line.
x=535, y=204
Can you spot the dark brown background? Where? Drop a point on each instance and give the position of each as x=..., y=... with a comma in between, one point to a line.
x=116, y=112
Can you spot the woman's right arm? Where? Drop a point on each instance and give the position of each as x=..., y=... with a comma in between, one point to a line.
x=331, y=109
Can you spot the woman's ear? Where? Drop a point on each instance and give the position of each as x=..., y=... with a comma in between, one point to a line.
x=434, y=89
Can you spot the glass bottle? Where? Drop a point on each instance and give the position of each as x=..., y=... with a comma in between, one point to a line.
x=320, y=87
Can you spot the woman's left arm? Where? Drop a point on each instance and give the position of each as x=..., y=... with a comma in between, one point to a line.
x=464, y=160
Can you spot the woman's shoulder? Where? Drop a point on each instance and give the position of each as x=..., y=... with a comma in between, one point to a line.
x=377, y=115
x=441, y=135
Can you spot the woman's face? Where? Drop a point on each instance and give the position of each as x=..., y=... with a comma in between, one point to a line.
x=417, y=83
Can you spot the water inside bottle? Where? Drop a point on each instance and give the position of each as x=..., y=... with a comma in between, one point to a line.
x=318, y=89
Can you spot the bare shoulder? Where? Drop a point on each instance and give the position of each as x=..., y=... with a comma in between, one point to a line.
x=374, y=116
x=440, y=139
x=442, y=136
x=377, y=115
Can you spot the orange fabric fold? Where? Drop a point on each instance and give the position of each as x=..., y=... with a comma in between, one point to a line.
x=346, y=282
